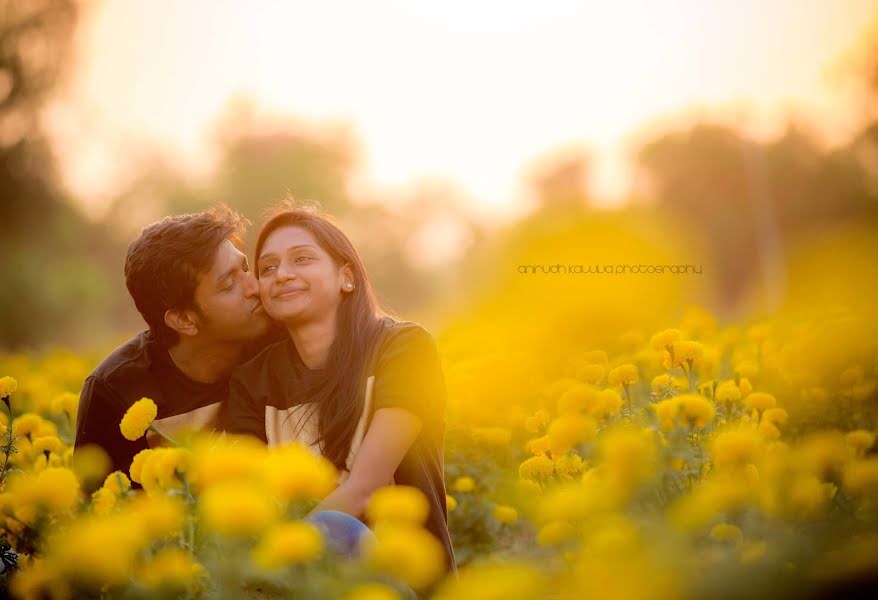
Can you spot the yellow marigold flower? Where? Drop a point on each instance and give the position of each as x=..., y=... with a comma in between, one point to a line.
x=568, y=431
x=491, y=436
x=569, y=465
x=97, y=551
x=577, y=399
x=595, y=357
x=665, y=339
x=293, y=473
x=852, y=376
x=372, y=591
x=861, y=477
x=666, y=412
x=537, y=468
x=505, y=514
x=695, y=410
x=527, y=488
x=825, y=453
x=539, y=420
x=103, y=501
x=776, y=416
x=398, y=503
x=234, y=509
x=137, y=419
x=32, y=426
x=727, y=393
x=450, y=502
x=745, y=385
x=860, y=441
x=163, y=467
x=768, y=430
x=160, y=516
x=55, y=489
x=538, y=445
x=747, y=368
x=808, y=495
x=610, y=404
x=592, y=374
x=66, y=403
x=170, y=568
x=629, y=456
x=664, y=382
x=623, y=375
x=684, y=353
x=760, y=401
x=405, y=552
x=227, y=457
x=464, y=485
x=737, y=447
x=48, y=443
x=91, y=464
x=506, y=581
x=8, y=385
x=117, y=482
x=724, y=532
x=555, y=533
x=288, y=544
x=137, y=462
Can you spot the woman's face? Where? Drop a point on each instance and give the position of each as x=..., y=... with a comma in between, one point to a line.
x=298, y=280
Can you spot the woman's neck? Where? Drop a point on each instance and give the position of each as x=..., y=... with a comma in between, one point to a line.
x=313, y=341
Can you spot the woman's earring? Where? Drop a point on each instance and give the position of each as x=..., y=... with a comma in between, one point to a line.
x=349, y=286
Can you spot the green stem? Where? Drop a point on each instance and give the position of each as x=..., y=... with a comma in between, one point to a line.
x=171, y=440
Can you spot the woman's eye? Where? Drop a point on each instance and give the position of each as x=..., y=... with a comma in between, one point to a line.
x=267, y=269
x=301, y=257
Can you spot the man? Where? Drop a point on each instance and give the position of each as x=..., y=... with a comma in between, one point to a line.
x=190, y=281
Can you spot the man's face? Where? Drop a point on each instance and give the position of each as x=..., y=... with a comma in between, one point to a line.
x=228, y=299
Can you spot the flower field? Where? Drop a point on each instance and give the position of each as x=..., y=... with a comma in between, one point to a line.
x=692, y=461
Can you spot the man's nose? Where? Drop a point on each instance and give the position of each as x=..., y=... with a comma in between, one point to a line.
x=251, y=284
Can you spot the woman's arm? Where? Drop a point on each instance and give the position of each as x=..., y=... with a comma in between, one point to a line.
x=390, y=435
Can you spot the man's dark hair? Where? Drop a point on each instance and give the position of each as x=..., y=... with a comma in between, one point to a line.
x=164, y=263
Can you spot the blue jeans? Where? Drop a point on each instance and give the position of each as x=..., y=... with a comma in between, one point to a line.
x=343, y=534
x=341, y=531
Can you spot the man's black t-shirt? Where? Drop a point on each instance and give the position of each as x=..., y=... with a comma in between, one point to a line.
x=269, y=398
x=142, y=368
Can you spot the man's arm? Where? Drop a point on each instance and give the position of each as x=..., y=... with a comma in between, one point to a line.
x=97, y=422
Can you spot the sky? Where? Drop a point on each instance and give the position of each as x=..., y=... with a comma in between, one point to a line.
x=472, y=92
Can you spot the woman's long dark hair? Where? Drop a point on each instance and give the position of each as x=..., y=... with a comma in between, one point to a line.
x=339, y=399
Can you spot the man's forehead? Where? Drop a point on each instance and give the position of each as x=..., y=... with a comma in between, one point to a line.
x=227, y=255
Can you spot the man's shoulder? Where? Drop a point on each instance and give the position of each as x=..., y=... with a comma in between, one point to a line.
x=132, y=358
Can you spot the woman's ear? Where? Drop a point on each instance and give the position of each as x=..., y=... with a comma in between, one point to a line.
x=348, y=284
x=181, y=321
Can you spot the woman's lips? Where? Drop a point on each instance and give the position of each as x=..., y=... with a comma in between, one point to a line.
x=288, y=294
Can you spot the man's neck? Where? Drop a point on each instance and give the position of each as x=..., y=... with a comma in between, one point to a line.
x=206, y=363
x=313, y=341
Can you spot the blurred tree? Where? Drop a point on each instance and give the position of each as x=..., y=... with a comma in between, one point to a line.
x=54, y=283
x=560, y=179
x=747, y=200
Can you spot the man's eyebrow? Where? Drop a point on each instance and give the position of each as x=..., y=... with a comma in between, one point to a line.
x=229, y=273
x=268, y=254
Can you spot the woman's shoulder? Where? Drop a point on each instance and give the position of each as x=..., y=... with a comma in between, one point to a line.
x=263, y=361
x=405, y=344
x=399, y=334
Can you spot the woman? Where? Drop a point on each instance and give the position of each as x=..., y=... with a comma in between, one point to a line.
x=358, y=386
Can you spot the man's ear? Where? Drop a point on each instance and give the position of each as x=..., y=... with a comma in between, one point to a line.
x=182, y=321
